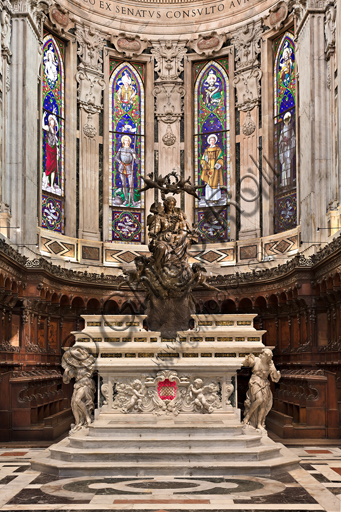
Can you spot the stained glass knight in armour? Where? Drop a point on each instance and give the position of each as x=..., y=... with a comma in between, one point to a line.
x=212, y=166
x=126, y=157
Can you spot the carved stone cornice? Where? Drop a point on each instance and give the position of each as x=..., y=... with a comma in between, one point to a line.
x=35, y=10
x=302, y=8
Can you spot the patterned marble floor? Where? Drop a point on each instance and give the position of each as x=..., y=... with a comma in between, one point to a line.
x=314, y=487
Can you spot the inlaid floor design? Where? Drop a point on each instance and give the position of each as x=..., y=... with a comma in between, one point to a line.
x=315, y=486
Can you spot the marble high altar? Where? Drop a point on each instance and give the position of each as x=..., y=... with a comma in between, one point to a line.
x=174, y=384
x=164, y=406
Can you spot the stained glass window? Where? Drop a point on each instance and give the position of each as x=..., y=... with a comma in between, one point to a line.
x=126, y=151
x=212, y=149
x=53, y=134
x=285, y=132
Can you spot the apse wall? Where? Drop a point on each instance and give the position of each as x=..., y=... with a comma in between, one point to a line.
x=239, y=95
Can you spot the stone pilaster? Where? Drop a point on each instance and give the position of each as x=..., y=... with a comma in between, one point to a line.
x=314, y=120
x=247, y=83
x=21, y=45
x=333, y=198
x=169, y=93
x=90, y=86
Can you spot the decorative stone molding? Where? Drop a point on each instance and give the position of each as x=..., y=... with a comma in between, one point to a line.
x=277, y=15
x=167, y=393
x=91, y=44
x=59, y=18
x=90, y=87
x=89, y=129
x=169, y=102
x=169, y=138
x=128, y=45
x=247, y=84
x=248, y=126
x=329, y=31
x=208, y=44
x=248, y=74
x=169, y=56
x=6, y=30
x=247, y=43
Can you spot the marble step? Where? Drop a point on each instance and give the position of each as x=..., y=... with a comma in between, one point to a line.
x=150, y=441
x=165, y=431
x=286, y=461
x=181, y=454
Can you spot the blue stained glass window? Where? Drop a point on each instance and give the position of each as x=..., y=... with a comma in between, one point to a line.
x=285, y=132
x=126, y=151
x=212, y=150
x=53, y=134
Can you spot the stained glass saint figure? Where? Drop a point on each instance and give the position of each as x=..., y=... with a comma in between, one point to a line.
x=212, y=162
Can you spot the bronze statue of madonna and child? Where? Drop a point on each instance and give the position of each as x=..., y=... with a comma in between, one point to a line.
x=166, y=275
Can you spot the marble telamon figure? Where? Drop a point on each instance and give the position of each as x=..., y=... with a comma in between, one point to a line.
x=259, y=397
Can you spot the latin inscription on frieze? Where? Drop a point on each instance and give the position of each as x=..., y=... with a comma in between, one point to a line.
x=164, y=13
